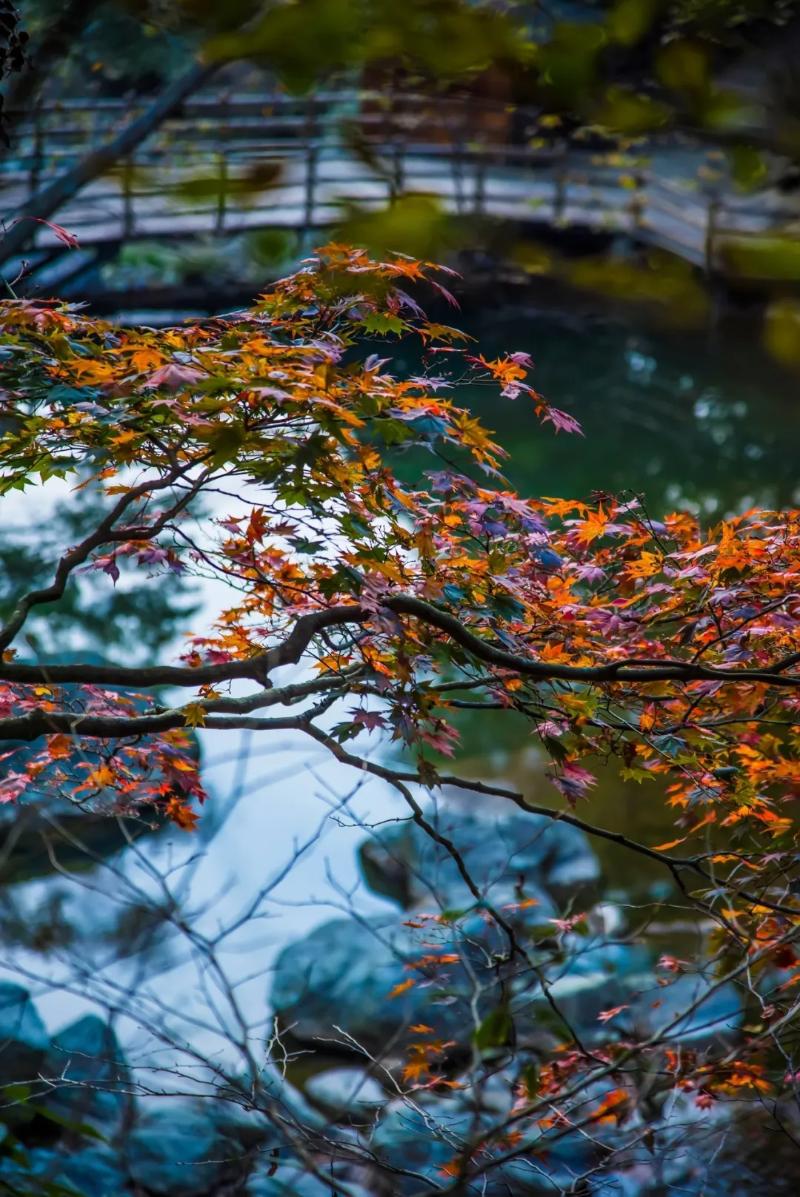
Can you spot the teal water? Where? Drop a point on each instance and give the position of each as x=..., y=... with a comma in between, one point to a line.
x=699, y=420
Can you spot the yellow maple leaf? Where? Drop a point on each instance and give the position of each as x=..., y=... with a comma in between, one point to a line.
x=194, y=714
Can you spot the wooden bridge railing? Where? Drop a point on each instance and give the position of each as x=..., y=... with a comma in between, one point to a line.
x=228, y=164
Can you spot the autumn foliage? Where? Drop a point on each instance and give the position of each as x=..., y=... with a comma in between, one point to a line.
x=272, y=450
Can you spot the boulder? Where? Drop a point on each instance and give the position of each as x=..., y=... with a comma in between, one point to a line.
x=86, y=1064
x=184, y=1148
x=346, y=1093
x=343, y=973
x=512, y=857
x=594, y=976
x=290, y=1180
x=180, y=1148
x=41, y=829
x=284, y=1102
x=719, y=1010
x=425, y=1136
x=92, y=1172
x=23, y=1038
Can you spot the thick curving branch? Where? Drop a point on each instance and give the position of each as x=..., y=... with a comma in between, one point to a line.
x=40, y=722
x=53, y=195
x=289, y=652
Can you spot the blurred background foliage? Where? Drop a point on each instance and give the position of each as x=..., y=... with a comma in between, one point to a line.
x=638, y=64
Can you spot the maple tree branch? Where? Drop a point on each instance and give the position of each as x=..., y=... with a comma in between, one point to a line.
x=632, y=669
x=40, y=722
x=289, y=652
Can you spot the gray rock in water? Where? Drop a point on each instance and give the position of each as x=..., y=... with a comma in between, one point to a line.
x=42, y=829
x=291, y=1181
x=346, y=974
x=514, y=856
x=343, y=1091
x=424, y=1137
x=715, y=1010
x=342, y=974
x=594, y=977
x=344, y=971
x=23, y=1038
x=179, y=1148
x=86, y=1063
x=183, y=1148
x=92, y=1172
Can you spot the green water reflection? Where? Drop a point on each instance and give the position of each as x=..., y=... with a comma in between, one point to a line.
x=684, y=419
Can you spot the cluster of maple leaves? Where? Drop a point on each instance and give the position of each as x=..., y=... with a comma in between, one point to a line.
x=270, y=450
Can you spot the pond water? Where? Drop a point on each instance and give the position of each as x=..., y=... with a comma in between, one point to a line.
x=684, y=418
x=680, y=418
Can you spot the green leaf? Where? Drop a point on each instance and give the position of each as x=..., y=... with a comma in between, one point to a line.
x=301, y=545
x=379, y=322
x=555, y=748
x=507, y=607
x=495, y=1030
x=452, y=916
x=454, y=594
x=629, y=20
x=670, y=745
x=64, y=394
x=636, y=774
x=225, y=442
x=530, y=1079
x=748, y=166
x=394, y=432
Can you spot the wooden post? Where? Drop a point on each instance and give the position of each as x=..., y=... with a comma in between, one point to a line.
x=637, y=203
x=312, y=155
x=461, y=127
x=457, y=171
x=36, y=150
x=397, y=181
x=128, y=215
x=222, y=194
x=560, y=195
x=480, y=181
x=714, y=278
x=712, y=223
